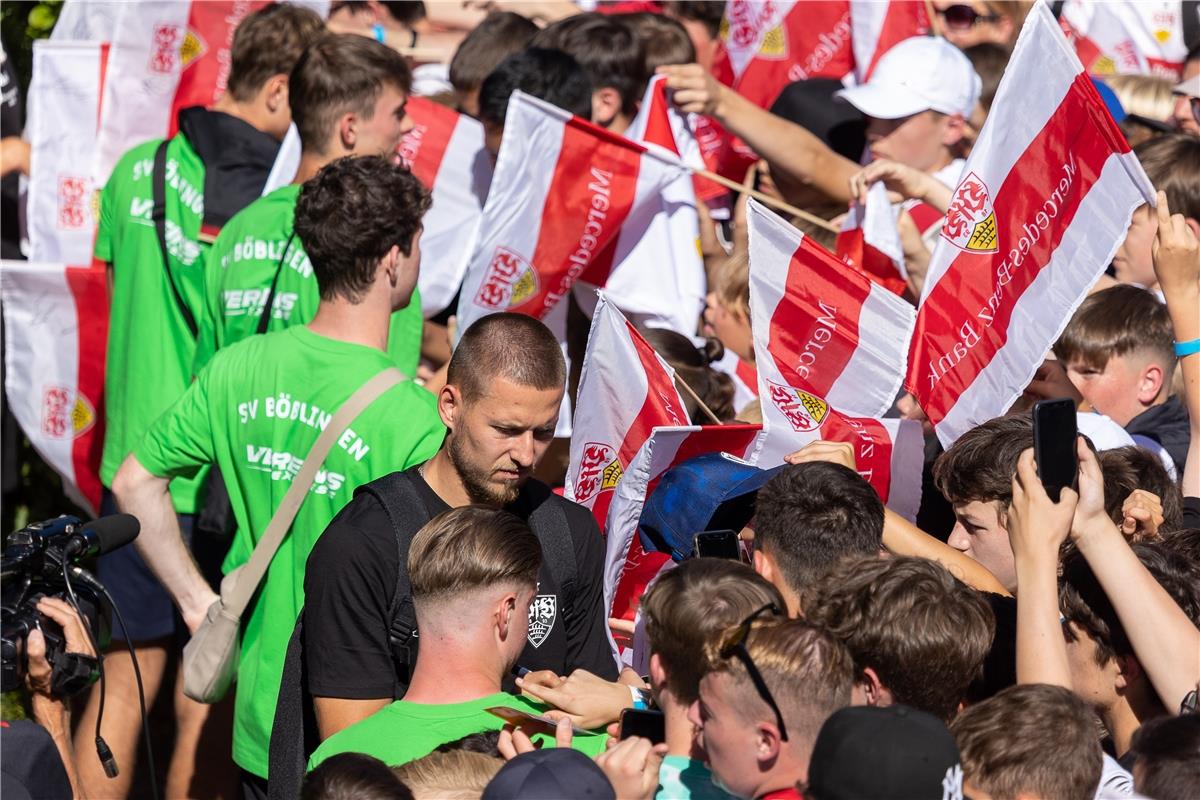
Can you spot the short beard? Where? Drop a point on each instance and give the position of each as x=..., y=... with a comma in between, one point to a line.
x=476, y=481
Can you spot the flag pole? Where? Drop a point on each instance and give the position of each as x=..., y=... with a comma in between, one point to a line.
x=766, y=199
x=682, y=384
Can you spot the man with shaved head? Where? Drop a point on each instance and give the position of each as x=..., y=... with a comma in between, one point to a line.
x=500, y=405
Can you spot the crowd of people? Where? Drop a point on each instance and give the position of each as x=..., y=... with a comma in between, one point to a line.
x=433, y=620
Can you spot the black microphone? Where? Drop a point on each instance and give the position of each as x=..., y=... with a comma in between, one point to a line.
x=102, y=536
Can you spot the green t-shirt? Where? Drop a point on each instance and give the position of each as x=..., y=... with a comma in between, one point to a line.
x=150, y=348
x=256, y=411
x=251, y=248
x=403, y=731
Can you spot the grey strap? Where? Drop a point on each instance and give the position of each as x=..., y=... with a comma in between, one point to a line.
x=251, y=575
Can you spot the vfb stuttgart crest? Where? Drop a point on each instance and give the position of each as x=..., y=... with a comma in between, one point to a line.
x=508, y=282
x=803, y=410
x=65, y=414
x=970, y=222
x=599, y=470
x=542, y=613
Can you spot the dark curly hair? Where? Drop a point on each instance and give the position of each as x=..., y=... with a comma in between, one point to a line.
x=350, y=214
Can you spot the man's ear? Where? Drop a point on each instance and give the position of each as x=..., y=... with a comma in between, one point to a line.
x=658, y=676
x=391, y=264
x=347, y=128
x=873, y=688
x=1150, y=382
x=953, y=129
x=763, y=565
x=1129, y=669
x=606, y=105
x=1194, y=224
x=275, y=93
x=506, y=607
x=768, y=745
x=450, y=404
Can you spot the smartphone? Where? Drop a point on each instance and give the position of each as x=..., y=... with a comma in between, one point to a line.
x=530, y=722
x=1054, y=435
x=716, y=544
x=646, y=724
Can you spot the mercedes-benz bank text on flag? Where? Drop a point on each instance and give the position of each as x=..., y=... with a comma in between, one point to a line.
x=56, y=332
x=562, y=189
x=1044, y=202
x=829, y=348
x=625, y=391
x=445, y=152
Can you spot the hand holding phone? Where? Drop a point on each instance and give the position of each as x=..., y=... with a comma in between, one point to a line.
x=1054, y=435
x=646, y=724
x=716, y=544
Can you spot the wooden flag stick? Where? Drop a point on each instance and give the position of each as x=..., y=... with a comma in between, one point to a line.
x=768, y=200
x=682, y=384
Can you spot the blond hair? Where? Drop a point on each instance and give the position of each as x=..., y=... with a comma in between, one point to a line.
x=453, y=775
x=472, y=547
x=733, y=283
x=1145, y=95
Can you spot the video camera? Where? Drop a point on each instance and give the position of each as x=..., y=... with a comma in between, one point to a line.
x=40, y=560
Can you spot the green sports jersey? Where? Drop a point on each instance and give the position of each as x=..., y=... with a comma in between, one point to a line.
x=403, y=731
x=252, y=247
x=255, y=411
x=150, y=348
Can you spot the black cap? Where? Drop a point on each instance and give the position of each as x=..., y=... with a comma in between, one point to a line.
x=550, y=774
x=865, y=752
x=811, y=105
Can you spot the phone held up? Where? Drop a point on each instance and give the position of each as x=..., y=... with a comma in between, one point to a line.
x=1054, y=435
x=716, y=544
x=646, y=724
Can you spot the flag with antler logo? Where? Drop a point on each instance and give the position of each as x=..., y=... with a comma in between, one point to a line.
x=1146, y=37
x=562, y=190
x=445, y=152
x=56, y=332
x=625, y=391
x=1044, y=202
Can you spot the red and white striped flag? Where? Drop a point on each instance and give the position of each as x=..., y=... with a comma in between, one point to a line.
x=879, y=25
x=628, y=569
x=56, y=331
x=625, y=390
x=67, y=84
x=658, y=274
x=1128, y=38
x=824, y=327
x=829, y=346
x=1044, y=203
x=771, y=43
x=870, y=241
x=445, y=152
x=743, y=375
x=561, y=192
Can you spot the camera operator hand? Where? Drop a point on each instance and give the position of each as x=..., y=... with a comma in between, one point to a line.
x=50, y=711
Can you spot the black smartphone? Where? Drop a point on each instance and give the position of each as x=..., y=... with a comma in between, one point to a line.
x=716, y=544
x=646, y=724
x=1054, y=435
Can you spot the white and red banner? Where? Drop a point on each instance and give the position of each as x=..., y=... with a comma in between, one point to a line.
x=1044, y=202
x=743, y=375
x=829, y=348
x=658, y=275
x=628, y=568
x=56, y=331
x=1130, y=37
x=771, y=43
x=562, y=190
x=870, y=241
x=67, y=85
x=824, y=327
x=879, y=25
x=625, y=391
x=445, y=152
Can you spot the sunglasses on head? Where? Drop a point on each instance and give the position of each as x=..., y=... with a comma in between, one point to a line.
x=963, y=17
x=735, y=645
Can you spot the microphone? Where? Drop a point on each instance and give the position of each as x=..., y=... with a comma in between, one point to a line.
x=102, y=536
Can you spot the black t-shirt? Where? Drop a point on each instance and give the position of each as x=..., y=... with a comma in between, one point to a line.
x=351, y=576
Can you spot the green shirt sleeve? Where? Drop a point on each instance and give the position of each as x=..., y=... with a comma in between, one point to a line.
x=180, y=442
x=103, y=249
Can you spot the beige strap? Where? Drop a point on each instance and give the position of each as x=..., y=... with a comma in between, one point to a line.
x=251, y=575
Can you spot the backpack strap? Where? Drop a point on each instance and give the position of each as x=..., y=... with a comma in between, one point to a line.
x=406, y=512
x=294, y=734
x=264, y=319
x=158, y=213
x=549, y=523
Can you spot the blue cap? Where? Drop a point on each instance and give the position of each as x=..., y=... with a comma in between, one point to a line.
x=709, y=492
x=1110, y=99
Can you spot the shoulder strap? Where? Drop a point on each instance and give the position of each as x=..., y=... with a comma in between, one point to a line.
x=264, y=319
x=549, y=522
x=252, y=574
x=158, y=213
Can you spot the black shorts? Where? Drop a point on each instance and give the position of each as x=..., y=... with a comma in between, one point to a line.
x=144, y=602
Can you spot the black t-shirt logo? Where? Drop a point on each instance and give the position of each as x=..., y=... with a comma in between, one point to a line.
x=542, y=613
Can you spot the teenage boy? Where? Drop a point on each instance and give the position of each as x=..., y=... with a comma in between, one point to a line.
x=501, y=34
x=216, y=165
x=549, y=75
x=348, y=95
x=1119, y=353
x=259, y=405
x=473, y=573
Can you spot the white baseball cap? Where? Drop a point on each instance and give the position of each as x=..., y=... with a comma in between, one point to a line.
x=919, y=74
x=1190, y=87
